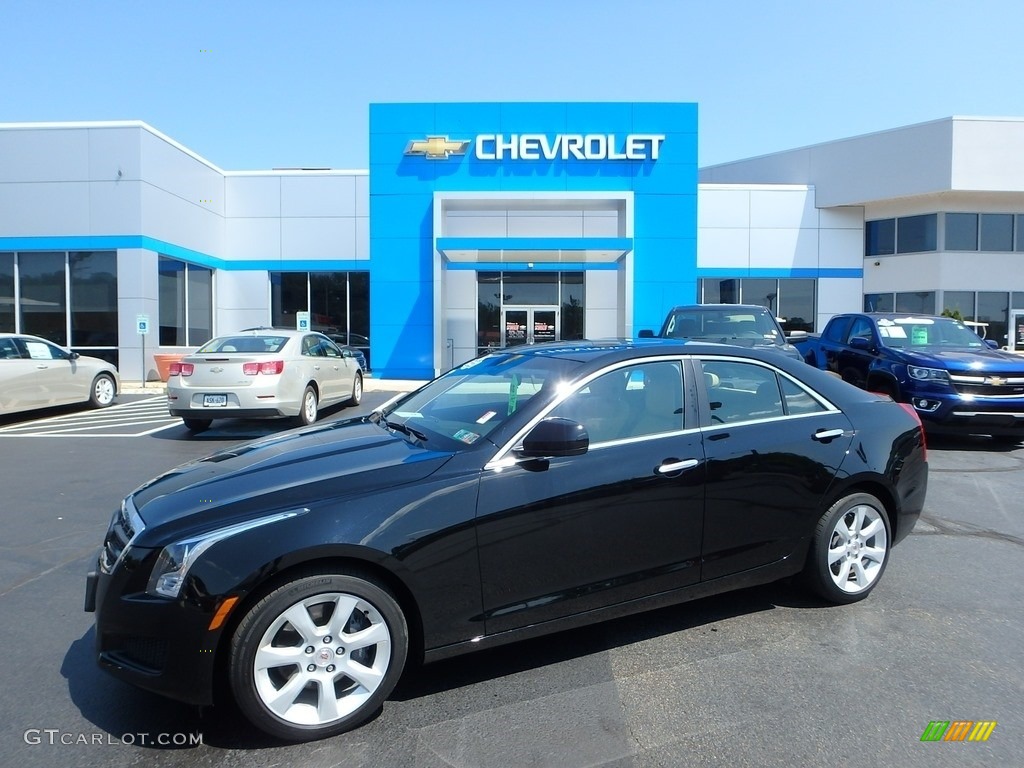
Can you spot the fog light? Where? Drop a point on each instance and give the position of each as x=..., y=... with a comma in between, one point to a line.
x=926, y=404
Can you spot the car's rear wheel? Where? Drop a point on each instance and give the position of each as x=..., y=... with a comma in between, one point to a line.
x=103, y=391
x=197, y=425
x=309, y=409
x=357, y=391
x=850, y=549
x=317, y=656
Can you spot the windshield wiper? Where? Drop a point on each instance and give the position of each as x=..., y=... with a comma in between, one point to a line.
x=405, y=428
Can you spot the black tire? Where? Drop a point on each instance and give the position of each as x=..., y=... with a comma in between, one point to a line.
x=1007, y=439
x=285, y=696
x=195, y=426
x=846, y=571
x=309, y=407
x=103, y=391
x=357, y=391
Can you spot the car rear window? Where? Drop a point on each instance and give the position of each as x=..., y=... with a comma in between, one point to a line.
x=245, y=344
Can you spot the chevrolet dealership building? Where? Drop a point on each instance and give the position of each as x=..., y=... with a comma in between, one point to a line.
x=481, y=225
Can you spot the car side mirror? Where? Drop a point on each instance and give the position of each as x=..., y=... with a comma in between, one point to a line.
x=796, y=335
x=646, y=333
x=859, y=342
x=555, y=437
x=992, y=343
x=73, y=356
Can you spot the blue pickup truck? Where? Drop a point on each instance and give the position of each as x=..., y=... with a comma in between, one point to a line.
x=956, y=381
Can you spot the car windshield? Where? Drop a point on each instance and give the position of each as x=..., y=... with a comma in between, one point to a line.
x=470, y=402
x=924, y=332
x=246, y=344
x=724, y=323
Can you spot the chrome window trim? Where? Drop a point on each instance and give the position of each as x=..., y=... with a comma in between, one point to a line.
x=827, y=404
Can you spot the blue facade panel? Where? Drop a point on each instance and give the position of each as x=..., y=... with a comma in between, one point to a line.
x=402, y=188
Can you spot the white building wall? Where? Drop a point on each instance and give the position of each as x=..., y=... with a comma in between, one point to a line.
x=603, y=317
x=460, y=317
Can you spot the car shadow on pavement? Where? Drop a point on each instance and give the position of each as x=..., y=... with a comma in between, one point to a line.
x=571, y=644
x=118, y=708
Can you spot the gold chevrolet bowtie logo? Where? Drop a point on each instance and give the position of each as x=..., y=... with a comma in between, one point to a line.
x=436, y=147
x=995, y=381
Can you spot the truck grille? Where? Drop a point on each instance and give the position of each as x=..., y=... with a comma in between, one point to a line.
x=124, y=527
x=1008, y=386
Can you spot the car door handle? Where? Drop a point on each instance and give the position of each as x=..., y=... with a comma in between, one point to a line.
x=677, y=466
x=827, y=434
x=42, y=367
x=316, y=367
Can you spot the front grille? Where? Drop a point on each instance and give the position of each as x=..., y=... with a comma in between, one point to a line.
x=1011, y=385
x=124, y=527
x=146, y=653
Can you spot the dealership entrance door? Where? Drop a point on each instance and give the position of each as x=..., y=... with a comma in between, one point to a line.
x=529, y=325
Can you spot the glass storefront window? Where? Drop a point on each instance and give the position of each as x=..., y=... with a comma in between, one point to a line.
x=43, y=295
x=996, y=232
x=916, y=234
x=993, y=308
x=572, y=306
x=328, y=301
x=93, y=298
x=880, y=237
x=338, y=304
x=796, y=305
x=531, y=288
x=289, y=293
x=961, y=231
x=918, y=302
x=959, y=301
x=7, y=305
x=186, y=303
x=879, y=302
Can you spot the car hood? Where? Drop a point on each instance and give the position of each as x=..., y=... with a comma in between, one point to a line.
x=965, y=360
x=285, y=472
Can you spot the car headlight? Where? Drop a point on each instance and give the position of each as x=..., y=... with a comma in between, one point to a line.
x=928, y=374
x=175, y=561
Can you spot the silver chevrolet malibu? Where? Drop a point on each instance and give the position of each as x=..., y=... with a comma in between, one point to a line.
x=263, y=373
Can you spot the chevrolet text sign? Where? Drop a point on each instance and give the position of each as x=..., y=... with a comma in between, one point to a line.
x=590, y=146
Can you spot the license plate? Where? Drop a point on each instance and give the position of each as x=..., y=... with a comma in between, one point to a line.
x=215, y=401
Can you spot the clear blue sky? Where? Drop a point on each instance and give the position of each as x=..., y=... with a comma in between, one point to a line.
x=272, y=83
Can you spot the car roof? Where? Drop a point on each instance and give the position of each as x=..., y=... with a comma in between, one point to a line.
x=718, y=307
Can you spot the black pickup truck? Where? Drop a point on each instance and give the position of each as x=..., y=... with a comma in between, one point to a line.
x=744, y=325
x=956, y=381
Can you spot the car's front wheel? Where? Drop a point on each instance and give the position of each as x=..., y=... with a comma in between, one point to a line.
x=309, y=408
x=357, y=391
x=850, y=549
x=317, y=656
x=103, y=391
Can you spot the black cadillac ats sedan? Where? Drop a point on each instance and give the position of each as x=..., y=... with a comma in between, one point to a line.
x=528, y=491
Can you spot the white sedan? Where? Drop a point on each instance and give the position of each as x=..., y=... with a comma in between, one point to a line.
x=36, y=373
x=263, y=374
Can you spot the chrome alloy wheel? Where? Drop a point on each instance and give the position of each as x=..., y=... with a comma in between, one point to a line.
x=322, y=658
x=103, y=391
x=309, y=406
x=857, y=549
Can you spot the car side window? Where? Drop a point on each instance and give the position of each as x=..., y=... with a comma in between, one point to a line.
x=311, y=347
x=329, y=350
x=39, y=350
x=861, y=329
x=797, y=400
x=741, y=391
x=8, y=350
x=631, y=402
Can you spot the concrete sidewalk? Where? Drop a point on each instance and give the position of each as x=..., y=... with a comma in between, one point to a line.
x=370, y=384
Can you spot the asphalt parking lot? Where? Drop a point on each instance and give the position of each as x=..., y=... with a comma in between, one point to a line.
x=765, y=676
